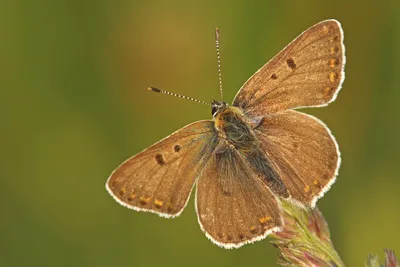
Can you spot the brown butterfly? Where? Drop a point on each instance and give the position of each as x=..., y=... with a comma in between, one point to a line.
x=252, y=153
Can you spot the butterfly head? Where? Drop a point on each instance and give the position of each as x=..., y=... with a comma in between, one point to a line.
x=217, y=107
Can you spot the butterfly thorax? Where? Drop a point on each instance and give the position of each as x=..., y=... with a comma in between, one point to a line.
x=238, y=131
x=233, y=126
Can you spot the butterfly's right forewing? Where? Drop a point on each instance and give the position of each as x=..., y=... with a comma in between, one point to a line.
x=160, y=178
x=308, y=72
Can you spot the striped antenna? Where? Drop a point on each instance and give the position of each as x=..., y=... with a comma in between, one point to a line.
x=156, y=90
x=218, y=61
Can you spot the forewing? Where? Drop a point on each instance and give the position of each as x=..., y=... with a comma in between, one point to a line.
x=308, y=72
x=160, y=178
x=303, y=152
x=234, y=206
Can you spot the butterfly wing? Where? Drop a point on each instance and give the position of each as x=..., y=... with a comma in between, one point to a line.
x=308, y=72
x=160, y=178
x=234, y=206
x=303, y=152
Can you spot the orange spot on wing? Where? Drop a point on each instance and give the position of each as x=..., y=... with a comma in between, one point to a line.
x=333, y=62
x=333, y=50
x=122, y=191
x=306, y=188
x=158, y=203
x=328, y=91
x=332, y=76
x=132, y=197
x=265, y=219
x=144, y=200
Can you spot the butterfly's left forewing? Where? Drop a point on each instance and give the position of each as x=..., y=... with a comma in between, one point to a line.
x=160, y=178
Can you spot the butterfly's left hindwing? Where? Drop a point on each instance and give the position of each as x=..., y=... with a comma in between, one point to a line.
x=234, y=204
x=160, y=178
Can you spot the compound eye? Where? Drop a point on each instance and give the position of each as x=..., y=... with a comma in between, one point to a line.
x=214, y=110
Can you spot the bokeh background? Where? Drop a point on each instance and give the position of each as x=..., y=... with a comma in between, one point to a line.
x=74, y=105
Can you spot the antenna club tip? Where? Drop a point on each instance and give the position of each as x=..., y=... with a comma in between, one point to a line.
x=154, y=89
x=217, y=33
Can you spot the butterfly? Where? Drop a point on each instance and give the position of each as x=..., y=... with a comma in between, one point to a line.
x=251, y=154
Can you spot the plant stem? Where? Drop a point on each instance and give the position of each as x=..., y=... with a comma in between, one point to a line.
x=305, y=238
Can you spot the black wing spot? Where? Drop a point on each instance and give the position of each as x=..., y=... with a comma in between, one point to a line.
x=227, y=193
x=334, y=39
x=290, y=63
x=274, y=76
x=160, y=159
x=177, y=148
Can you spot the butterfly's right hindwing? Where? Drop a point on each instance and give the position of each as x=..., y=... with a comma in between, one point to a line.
x=160, y=178
x=302, y=151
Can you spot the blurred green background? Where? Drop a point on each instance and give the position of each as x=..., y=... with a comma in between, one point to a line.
x=74, y=105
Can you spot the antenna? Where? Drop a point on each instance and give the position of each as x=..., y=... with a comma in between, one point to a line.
x=218, y=61
x=156, y=90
